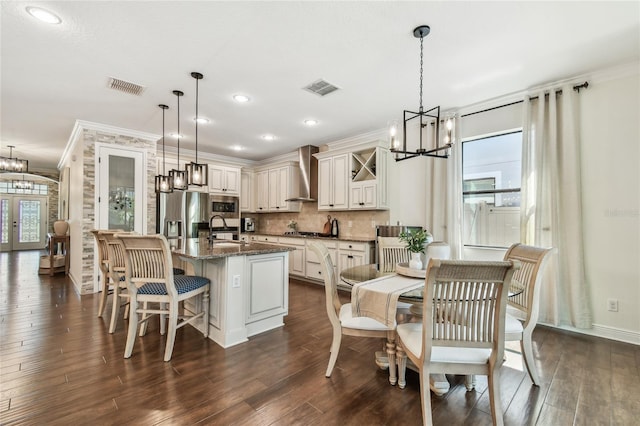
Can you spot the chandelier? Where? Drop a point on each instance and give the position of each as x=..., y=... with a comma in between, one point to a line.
x=426, y=129
x=13, y=164
x=27, y=185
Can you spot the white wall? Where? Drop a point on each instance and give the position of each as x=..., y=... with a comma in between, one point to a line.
x=611, y=198
x=407, y=197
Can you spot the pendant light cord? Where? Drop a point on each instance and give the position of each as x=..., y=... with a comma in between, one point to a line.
x=179, y=136
x=164, y=163
x=421, y=62
x=197, y=117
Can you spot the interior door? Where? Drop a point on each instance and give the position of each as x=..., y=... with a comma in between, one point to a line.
x=23, y=222
x=121, y=188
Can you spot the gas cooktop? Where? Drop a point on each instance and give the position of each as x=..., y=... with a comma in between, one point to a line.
x=306, y=234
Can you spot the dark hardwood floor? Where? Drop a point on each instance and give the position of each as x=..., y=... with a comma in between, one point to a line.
x=59, y=365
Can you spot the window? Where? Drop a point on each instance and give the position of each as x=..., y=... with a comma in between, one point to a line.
x=6, y=187
x=491, y=171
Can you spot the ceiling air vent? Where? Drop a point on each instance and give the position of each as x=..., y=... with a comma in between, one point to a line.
x=125, y=86
x=321, y=87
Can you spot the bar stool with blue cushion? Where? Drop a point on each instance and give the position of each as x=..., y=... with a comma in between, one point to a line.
x=150, y=278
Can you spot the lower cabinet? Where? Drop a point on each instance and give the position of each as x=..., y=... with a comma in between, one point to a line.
x=266, y=296
x=314, y=268
x=353, y=254
x=296, y=257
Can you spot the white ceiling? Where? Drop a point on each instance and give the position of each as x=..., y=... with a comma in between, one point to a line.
x=53, y=75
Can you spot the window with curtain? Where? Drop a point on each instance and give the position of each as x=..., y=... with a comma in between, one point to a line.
x=491, y=175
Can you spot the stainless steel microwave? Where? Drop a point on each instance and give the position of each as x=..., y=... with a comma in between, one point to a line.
x=224, y=205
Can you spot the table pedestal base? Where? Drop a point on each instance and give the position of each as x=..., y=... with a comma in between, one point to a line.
x=437, y=382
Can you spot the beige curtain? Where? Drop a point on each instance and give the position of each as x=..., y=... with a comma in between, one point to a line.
x=444, y=197
x=551, y=208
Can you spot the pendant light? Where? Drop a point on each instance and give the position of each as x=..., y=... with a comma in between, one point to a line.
x=164, y=182
x=179, y=176
x=27, y=185
x=198, y=173
x=13, y=164
x=427, y=125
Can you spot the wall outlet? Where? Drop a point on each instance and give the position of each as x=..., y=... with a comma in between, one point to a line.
x=236, y=281
x=612, y=305
x=373, y=223
x=350, y=223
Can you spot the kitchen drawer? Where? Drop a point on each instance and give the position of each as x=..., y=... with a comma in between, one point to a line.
x=291, y=241
x=267, y=239
x=347, y=245
x=314, y=270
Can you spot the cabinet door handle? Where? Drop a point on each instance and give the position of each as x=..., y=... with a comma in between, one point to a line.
x=330, y=205
x=277, y=207
x=349, y=257
x=362, y=204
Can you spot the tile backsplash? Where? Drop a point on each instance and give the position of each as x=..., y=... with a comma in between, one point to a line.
x=363, y=223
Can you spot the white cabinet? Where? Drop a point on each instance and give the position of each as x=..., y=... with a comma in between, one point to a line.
x=274, y=186
x=283, y=182
x=296, y=257
x=333, y=183
x=266, y=296
x=314, y=268
x=262, y=191
x=368, y=187
x=247, y=194
x=224, y=179
x=353, y=254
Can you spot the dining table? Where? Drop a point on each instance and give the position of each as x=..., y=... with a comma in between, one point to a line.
x=382, y=292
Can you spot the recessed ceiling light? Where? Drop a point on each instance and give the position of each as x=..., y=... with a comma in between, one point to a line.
x=241, y=98
x=43, y=15
x=310, y=122
x=237, y=148
x=177, y=136
x=268, y=137
x=201, y=120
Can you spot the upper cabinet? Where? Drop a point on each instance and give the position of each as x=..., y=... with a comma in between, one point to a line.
x=224, y=179
x=247, y=193
x=353, y=177
x=274, y=185
x=368, y=187
x=333, y=182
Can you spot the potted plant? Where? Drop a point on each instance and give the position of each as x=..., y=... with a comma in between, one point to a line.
x=415, y=240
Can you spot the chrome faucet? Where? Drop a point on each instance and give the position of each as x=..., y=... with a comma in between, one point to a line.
x=224, y=224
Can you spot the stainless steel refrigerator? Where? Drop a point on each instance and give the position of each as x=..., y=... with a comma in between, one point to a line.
x=183, y=214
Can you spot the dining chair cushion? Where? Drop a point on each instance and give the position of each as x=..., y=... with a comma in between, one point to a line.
x=178, y=271
x=411, y=335
x=512, y=325
x=364, y=323
x=184, y=284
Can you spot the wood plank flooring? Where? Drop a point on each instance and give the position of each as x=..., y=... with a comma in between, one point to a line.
x=59, y=366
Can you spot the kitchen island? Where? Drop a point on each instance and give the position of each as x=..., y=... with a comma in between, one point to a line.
x=249, y=286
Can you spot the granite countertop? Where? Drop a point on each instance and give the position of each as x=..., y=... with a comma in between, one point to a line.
x=202, y=249
x=315, y=235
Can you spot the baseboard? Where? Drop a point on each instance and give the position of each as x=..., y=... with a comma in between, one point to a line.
x=604, y=331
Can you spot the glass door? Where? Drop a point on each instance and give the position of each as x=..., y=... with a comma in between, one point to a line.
x=23, y=223
x=121, y=199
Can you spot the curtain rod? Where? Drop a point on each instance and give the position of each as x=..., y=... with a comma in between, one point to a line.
x=577, y=88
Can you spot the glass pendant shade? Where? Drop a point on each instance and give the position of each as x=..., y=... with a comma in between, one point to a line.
x=179, y=177
x=164, y=182
x=198, y=173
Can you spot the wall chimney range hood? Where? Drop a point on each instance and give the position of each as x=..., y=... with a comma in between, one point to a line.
x=308, y=191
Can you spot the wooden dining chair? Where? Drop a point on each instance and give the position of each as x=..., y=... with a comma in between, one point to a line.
x=342, y=320
x=102, y=254
x=523, y=307
x=116, y=263
x=462, y=328
x=150, y=279
x=391, y=251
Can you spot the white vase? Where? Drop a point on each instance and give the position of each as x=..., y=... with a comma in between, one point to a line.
x=416, y=261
